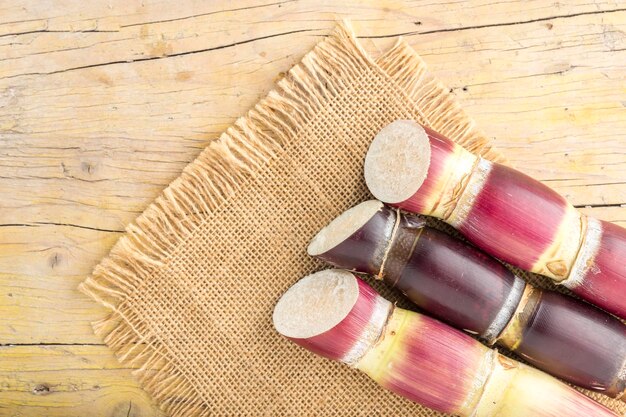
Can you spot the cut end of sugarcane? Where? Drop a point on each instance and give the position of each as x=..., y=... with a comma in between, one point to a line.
x=397, y=161
x=316, y=304
x=343, y=227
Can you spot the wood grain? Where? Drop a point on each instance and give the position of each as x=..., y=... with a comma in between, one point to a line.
x=102, y=104
x=68, y=380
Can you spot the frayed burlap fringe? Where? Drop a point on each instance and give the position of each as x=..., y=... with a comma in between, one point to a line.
x=227, y=166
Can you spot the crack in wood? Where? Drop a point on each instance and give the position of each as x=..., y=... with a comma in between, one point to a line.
x=49, y=344
x=153, y=58
x=57, y=31
x=620, y=205
x=491, y=25
x=78, y=226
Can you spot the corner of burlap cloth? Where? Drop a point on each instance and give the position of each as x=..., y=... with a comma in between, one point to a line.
x=192, y=284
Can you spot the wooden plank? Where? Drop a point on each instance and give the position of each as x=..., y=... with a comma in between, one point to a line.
x=68, y=381
x=96, y=36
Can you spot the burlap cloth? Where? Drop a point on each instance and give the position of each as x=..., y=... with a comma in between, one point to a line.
x=192, y=284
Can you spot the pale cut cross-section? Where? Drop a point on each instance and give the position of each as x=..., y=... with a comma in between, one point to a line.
x=397, y=161
x=342, y=227
x=316, y=304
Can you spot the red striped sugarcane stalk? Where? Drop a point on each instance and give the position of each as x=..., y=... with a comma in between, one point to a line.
x=501, y=210
x=334, y=314
x=461, y=285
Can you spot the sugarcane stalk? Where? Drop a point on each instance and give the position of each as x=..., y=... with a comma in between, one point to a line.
x=337, y=315
x=461, y=285
x=501, y=210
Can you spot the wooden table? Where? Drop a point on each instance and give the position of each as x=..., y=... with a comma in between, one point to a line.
x=103, y=103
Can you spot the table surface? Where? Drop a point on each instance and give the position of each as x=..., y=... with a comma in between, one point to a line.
x=103, y=103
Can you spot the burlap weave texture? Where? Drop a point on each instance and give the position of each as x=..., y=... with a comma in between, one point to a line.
x=192, y=285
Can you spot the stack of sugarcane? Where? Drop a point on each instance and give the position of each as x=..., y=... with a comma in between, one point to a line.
x=508, y=215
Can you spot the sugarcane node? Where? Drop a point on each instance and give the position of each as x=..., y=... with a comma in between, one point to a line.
x=451, y=203
x=513, y=334
x=458, y=191
x=389, y=243
x=558, y=268
x=507, y=363
x=400, y=249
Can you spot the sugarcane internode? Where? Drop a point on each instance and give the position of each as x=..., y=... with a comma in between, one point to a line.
x=335, y=314
x=501, y=210
x=461, y=285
